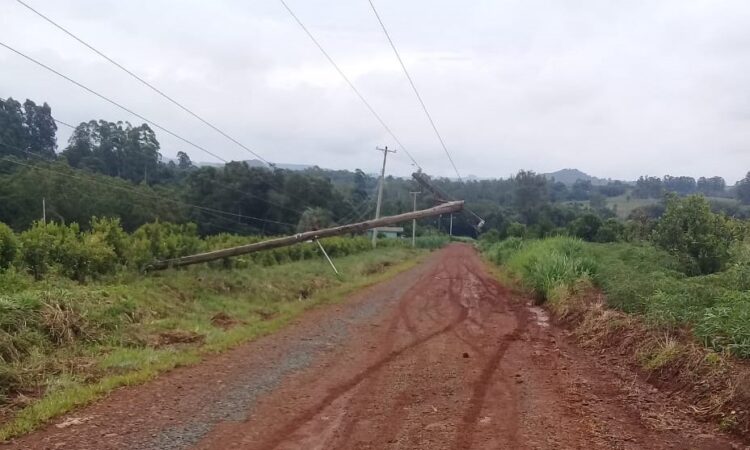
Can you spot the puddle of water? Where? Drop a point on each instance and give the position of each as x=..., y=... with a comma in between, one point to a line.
x=540, y=316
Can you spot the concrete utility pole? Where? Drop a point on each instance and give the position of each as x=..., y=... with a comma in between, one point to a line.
x=450, y=230
x=445, y=208
x=380, y=192
x=414, y=221
x=44, y=211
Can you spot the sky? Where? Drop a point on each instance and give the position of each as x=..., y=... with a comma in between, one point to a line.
x=616, y=89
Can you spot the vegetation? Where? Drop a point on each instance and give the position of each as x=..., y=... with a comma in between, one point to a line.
x=116, y=169
x=72, y=342
x=693, y=279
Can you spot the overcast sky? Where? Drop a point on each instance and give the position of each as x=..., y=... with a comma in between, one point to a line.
x=615, y=88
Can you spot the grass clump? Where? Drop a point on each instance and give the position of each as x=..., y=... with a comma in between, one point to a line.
x=545, y=265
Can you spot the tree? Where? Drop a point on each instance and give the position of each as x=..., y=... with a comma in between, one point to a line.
x=585, y=227
x=115, y=149
x=714, y=186
x=530, y=194
x=313, y=219
x=680, y=185
x=610, y=231
x=613, y=189
x=648, y=187
x=40, y=129
x=183, y=161
x=359, y=193
x=597, y=202
x=581, y=190
x=27, y=128
x=690, y=230
x=743, y=189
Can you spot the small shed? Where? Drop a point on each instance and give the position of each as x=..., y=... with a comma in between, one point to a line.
x=388, y=232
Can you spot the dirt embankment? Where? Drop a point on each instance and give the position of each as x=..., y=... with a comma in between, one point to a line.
x=440, y=357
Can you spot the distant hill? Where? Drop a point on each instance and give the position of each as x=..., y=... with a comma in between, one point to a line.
x=570, y=176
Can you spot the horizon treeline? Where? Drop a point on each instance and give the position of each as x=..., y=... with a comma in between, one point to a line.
x=116, y=169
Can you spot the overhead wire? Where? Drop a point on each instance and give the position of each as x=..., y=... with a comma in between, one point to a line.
x=144, y=82
x=200, y=209
x=350, y=84
x=155, y=89
x=130, y=111
x=416, y=91
x=180, y=105
x=137, y=192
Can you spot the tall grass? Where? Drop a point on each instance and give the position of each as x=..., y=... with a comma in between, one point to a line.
x=640, y=279
x=545, y=265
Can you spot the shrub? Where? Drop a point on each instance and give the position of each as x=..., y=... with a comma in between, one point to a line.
x=78, y=255
x=610, y=231
x=8, y=246
x=110, y=232
x=689, y=229
x=585, y=227
x=36, y=246
x=516, y=229
x=162, y=240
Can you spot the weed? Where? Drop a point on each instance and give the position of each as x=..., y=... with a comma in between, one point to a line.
x=664, y=351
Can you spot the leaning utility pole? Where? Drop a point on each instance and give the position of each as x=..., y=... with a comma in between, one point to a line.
x=445, y=208
x=380, y=192
x=450, y=230
x=414, y=221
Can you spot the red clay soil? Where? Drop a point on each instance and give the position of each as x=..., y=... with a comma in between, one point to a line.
x=440, y=357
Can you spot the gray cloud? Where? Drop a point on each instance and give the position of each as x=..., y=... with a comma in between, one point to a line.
x=615, y=88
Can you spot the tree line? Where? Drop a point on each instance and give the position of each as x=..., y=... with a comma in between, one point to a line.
x=116, y=169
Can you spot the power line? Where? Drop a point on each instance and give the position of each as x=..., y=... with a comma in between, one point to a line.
x=109, y=100
x=416, y=92
x=137, y=192
x=65, y=124
x=351, y=85
x=140, y=117
x=222, y=214
x=144, y=82
x=155, y=89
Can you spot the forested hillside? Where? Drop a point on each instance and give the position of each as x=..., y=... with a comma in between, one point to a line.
x=116, y=169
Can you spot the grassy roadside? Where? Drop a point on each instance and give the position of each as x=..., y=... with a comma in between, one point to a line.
x=689, y=334
x=129, y=330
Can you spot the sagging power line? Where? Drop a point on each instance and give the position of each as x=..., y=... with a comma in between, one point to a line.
x=145, y=83
x=214, y=211
x=130, y=111
x=350, y=84
x=157, y=90
x=416, y=91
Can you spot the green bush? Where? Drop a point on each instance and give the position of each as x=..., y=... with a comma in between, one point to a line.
x=516, y=229
x=109, y=231
x=585, y=227
x=690, y=230
x=8, y=246
x=610, y=231
x=36, y=247
x=162, y=240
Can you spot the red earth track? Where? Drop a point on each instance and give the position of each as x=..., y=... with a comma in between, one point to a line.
x=440, y=357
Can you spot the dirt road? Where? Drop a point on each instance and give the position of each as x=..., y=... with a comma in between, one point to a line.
x=439, y=357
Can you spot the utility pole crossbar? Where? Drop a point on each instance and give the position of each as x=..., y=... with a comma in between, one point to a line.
x=445, y=208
